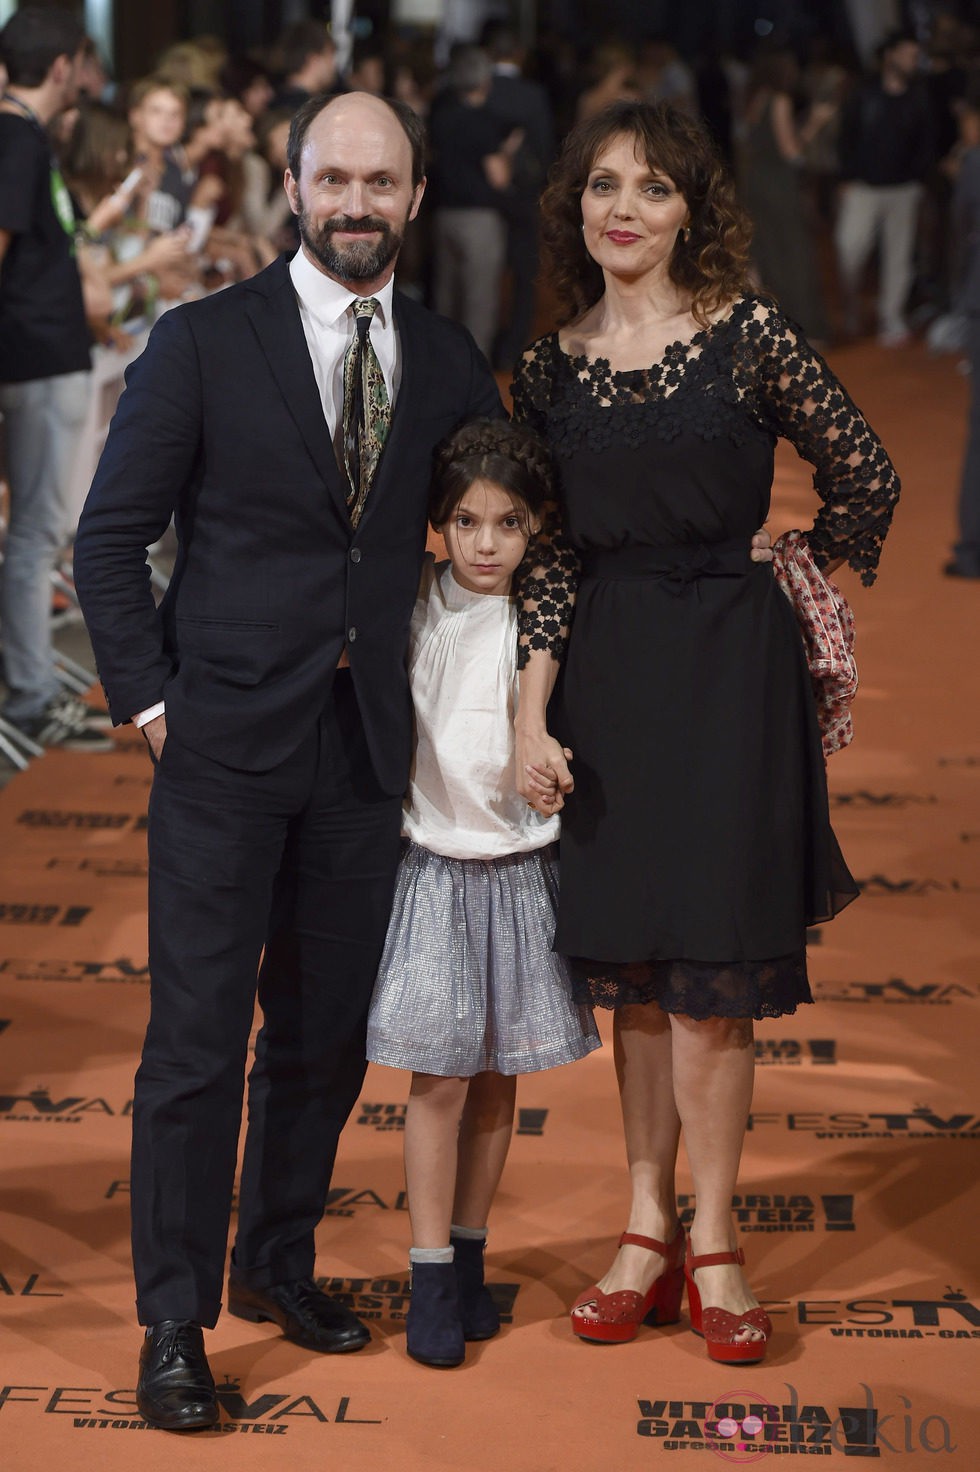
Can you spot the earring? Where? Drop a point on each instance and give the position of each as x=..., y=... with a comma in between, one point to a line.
x=685, y=233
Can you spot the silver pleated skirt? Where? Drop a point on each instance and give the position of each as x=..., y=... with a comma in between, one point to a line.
x=468, y=981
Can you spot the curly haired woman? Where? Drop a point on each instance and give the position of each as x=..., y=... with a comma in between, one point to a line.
x=696, y=846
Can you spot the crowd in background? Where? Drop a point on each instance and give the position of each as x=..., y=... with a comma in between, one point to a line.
x=850, y=177
x=176, y=177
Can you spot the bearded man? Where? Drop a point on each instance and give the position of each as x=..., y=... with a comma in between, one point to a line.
x=287, y=424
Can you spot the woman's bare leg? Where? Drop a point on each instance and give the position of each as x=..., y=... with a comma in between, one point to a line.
x=714, y=1065
x=642, y=1050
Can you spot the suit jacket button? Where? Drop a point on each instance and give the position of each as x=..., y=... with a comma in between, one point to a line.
x=355, y=554
x=351, y=635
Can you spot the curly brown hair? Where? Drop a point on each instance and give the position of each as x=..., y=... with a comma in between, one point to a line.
x=510, y=455
x=711, y=262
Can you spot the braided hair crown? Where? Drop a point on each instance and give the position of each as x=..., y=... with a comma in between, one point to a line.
x=510, y=455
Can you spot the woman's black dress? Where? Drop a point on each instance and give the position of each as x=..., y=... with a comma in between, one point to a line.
x=697, y=847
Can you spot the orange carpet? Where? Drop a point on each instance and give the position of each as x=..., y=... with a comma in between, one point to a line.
x=858, y=1210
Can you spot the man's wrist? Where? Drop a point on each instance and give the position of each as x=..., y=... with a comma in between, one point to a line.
x=150, y=714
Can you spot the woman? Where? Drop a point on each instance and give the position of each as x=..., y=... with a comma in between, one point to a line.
x=696, y=847
x=772, y=159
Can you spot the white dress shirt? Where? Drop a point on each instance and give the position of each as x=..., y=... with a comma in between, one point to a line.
x=326, y=311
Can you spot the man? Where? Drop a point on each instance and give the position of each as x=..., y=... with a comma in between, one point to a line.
x=271, y=688
x=472, y=160
x=44, y=368
x=308, y=57
x=886, y=148
x=521, y=104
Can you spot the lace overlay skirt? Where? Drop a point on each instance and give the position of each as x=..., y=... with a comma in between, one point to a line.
x=698, y=989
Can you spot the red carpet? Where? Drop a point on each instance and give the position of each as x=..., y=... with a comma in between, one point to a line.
x=859, y=1208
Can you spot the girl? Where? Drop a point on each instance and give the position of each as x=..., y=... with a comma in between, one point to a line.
x=469, y=992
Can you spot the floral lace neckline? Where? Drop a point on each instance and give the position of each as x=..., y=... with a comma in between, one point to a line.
x=674, y=352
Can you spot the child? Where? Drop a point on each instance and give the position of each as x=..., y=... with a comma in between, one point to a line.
x=469, y=991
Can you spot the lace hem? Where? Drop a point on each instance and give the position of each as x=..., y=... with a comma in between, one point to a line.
x=698, y=989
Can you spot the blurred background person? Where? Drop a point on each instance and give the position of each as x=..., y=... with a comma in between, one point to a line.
x=886, y=150
x=265, y=208
x=307, y=58
x=472, y=163
x=615, y=80
x=521, y=104
x=44, y=368
x=770, y=183
x=662, y=76
x=965, y=562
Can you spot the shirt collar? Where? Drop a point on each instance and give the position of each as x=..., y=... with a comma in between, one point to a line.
x=327, y=300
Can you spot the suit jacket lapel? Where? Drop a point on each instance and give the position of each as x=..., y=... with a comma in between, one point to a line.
x=274, y=313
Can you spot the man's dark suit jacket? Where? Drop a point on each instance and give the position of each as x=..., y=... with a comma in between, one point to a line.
x=221, y=424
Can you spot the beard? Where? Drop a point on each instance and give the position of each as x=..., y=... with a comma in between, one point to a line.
x=356, y=260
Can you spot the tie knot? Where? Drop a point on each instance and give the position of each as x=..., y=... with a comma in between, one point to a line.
x=364, y=310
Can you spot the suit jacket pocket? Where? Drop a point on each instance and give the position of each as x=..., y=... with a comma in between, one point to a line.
x=235, y=652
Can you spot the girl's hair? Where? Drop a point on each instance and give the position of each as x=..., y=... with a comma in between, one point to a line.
x=495, y=450
x=711, y=262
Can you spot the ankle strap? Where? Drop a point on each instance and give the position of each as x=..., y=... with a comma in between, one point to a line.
x=713, y=1259
x=650, y=1243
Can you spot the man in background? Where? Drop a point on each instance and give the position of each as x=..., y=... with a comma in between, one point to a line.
x=44, y=368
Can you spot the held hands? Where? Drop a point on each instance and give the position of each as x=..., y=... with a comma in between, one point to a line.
x=543, y=776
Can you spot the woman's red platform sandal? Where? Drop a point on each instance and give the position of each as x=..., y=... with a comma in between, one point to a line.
x=718, y=1326
x=614, y=1318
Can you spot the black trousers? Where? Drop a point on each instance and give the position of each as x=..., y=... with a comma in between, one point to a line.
x=299, y=861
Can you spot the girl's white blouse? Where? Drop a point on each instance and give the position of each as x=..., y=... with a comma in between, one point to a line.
x=462, y=800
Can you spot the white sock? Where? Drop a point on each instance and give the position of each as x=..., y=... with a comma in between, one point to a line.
x=430, y=1254
x=469, y=1234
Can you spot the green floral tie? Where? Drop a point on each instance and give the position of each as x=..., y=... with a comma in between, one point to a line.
x=367, y=409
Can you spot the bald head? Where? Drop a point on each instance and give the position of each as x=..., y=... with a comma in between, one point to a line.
x=351, y=182
x=352, y=110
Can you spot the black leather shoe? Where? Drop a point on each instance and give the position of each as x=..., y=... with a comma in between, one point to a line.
x=175, y=1390
x=304, y=1314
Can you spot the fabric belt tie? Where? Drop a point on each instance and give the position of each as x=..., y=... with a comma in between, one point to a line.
x=679, y=566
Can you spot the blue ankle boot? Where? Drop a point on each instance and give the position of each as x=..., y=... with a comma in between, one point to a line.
x=435, y=1334
x=477, y=1310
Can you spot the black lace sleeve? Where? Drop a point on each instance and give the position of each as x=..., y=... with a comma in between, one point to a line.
x=802, y=400
x=546, y=580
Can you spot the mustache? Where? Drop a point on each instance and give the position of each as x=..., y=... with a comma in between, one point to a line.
x=366, y=225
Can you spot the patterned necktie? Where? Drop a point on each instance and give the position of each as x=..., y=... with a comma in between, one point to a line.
x=367, y=409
